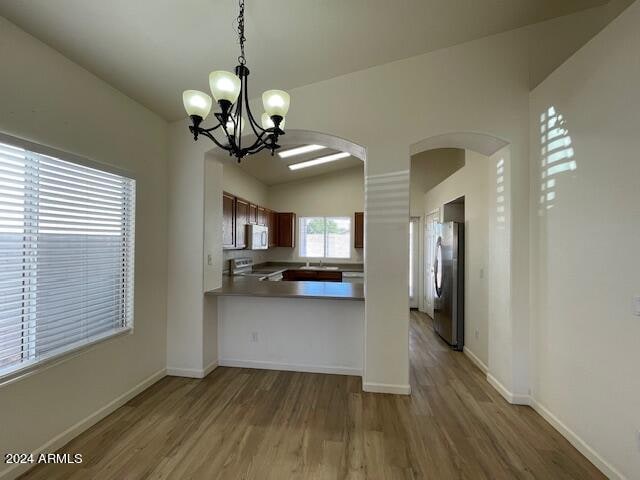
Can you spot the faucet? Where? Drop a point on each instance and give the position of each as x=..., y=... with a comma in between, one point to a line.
x=320, y=263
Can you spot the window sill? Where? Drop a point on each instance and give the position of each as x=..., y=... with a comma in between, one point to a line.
x=27, y=369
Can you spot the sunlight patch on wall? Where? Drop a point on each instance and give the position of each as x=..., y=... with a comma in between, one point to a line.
x=556, y=153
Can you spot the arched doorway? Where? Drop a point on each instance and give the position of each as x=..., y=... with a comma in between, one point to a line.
x=501, y=356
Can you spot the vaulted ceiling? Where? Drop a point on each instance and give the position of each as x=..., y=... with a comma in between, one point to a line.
x=152, y=50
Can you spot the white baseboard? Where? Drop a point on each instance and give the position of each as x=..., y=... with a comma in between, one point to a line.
x=476, y=361
x=513, y=398
x=192, y=372
x=70, y=433
x=386, y=388
x=290, y=367
x=583, y=447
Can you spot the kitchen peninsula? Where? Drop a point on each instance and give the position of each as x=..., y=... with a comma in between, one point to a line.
x=291, y=325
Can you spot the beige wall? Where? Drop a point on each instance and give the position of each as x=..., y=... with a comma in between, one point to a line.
x=472, y=182
x=338, y=193
x=428, y=169
x=47, y=99
x=585, y=237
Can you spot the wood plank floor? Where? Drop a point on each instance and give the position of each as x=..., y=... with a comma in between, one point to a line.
x=258, y=424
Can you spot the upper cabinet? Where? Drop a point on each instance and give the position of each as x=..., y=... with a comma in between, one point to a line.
x=242, y=218
x=253, y=214
x=237, y=213
x=272, y=225
x=358, y=230
x=262, y=216
x=228, y=220
x=287, y=229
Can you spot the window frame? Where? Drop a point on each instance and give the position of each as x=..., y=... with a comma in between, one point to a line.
x=29, y=366
x=325, y=249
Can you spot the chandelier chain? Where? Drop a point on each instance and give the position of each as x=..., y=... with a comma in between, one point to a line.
x=241, y=37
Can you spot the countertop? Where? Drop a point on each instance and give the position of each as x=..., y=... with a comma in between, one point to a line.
x=254, y=287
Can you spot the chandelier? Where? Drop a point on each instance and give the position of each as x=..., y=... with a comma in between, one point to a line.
x=231, y=94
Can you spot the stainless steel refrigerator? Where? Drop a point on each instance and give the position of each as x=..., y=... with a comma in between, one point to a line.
x=448, y=302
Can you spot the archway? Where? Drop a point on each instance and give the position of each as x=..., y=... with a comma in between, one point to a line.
x=502, y=356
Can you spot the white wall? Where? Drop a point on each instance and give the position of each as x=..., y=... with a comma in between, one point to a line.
x=585, y=263
x=472, y=182
x=338, y=193
x=292, y=334
x=428, y=169
x=49, y=100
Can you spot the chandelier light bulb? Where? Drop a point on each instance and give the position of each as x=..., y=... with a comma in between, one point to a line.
x=224, y=86
x=196, y=103
x=231, y=127
x=276, y=102
x=267, y=123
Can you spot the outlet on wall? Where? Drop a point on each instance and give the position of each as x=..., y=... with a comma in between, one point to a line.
x=636, y=305
x=254, y=337
x=477, y=334
x=209, y=260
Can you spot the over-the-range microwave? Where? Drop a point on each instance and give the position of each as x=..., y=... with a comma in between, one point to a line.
x=257, y=237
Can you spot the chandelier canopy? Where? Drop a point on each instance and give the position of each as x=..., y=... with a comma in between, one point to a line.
x=231, y=94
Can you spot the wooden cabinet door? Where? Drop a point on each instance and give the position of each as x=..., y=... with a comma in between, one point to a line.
x=358, y=230
x=262, y=216
x=228, y=220
x=287, y=230
x=242, y=218
x=329, y=276
x=253, y=214
x=272, y=224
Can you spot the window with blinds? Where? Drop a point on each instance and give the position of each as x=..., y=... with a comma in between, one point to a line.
x=66, y=257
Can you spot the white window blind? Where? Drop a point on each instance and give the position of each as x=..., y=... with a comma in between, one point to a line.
x=66, y=256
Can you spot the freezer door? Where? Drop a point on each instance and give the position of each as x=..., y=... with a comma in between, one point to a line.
x=443, y=279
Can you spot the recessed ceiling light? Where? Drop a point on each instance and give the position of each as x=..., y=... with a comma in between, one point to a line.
x=319, y=161
x=300, y=150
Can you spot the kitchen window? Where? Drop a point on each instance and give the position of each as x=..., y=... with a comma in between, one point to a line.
x=325, y=237
x=66, y=257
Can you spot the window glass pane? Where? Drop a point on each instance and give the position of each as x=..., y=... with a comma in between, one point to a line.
x=338, y=237
x=312, y=237
x=66, y=256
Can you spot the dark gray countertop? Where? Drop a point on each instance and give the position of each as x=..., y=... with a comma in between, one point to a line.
x=254, y=287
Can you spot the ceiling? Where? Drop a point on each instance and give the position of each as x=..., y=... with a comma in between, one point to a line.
x=152, y=50
x=272, y=170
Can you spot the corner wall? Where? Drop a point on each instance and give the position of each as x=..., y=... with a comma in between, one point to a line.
x=585, y=217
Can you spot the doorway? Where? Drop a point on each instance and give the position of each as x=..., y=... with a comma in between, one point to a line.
x=414, y=261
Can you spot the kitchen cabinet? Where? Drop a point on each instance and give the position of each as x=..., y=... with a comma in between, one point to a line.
x=253, y=214
x=272, y=225
x=311, y=276
x=228, y=220
x=262, y=216
x=242, y=218
x=237, y=213
x=287, y=229
x=358, y=230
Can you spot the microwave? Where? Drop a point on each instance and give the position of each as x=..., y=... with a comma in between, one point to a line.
x=257, y=237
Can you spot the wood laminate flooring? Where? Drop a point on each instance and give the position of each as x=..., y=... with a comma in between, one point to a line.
x=259, y=424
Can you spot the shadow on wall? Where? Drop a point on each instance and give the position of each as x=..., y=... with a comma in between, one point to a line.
x=556, y=154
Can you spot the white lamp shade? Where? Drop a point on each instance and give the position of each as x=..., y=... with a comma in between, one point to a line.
x=224, y=86
x=196, y=103
x=276, y=102
x=268, y=123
